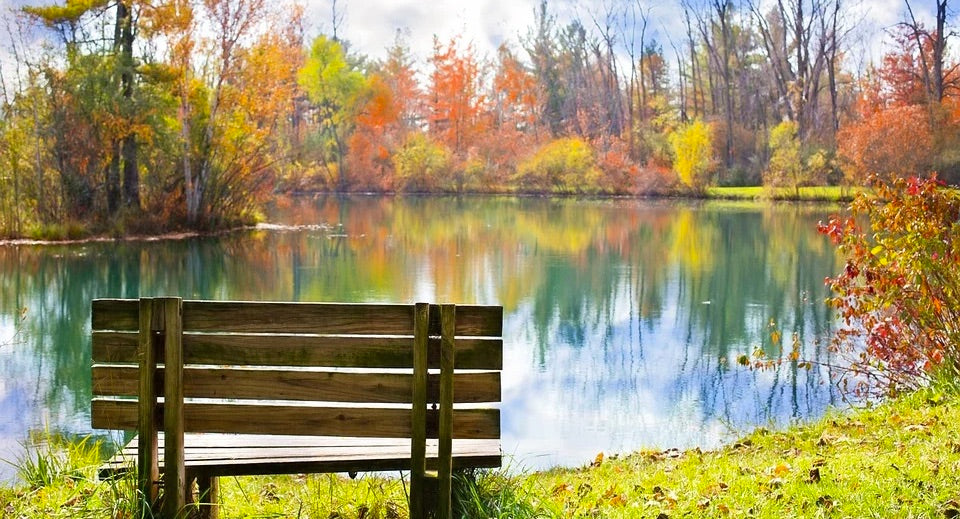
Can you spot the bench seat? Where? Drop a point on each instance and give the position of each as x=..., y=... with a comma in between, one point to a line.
x=229, y=388
x=213, y=454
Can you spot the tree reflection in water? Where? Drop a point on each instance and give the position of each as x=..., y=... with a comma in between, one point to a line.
x=624, y=318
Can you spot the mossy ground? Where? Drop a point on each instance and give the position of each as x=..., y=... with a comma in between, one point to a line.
x=898, y=459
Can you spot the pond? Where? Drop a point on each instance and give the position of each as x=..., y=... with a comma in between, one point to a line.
x=624, y=319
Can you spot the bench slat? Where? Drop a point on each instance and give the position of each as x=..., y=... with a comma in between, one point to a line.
x=318, y=386
x=318, y=318
x=228, y=454
x=301, y=420
x=303, y=350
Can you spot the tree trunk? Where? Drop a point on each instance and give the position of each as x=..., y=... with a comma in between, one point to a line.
x=939, y=48
x=128, y=151
x=832, y=73
x=113, y=179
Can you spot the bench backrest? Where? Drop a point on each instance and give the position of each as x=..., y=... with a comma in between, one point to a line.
x=292, y=368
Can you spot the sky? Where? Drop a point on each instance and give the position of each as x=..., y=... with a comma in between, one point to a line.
x=371, y=26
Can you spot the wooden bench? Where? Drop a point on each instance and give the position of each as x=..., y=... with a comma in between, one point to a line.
x=243, y=388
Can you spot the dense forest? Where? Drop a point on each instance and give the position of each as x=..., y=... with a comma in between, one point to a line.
x=151, y=115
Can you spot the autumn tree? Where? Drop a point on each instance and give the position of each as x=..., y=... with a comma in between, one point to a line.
x=335, y=87
x=455, y=96
x=392, y=110
x=801, y=40
x=541, y=47
x=561, y=166
x=692, y=146
x=514, y=118
x=890, y=143
x=375, y=137
x=68, y=20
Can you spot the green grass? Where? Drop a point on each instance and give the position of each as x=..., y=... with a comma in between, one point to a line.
x=899, y=459
x=71, y=230
x=806, y=194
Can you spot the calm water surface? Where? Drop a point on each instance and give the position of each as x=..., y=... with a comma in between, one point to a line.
x=623, y=319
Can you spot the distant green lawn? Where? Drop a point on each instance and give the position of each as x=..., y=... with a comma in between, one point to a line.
x=811, y=194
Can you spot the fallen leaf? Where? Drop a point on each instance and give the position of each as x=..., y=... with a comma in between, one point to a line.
x=618, y=500
x=781, y=469
x=814, y=475
x=598, y=460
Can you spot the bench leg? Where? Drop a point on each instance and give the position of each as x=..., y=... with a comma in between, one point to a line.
x=209, y=496
x=430, y=497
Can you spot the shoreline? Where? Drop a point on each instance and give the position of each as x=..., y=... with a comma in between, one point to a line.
x=818, y=195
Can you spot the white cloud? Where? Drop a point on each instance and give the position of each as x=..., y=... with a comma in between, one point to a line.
x=371, y=25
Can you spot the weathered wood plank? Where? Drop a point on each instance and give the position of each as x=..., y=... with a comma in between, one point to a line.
x=419, y=409
x=299, y=385
x=472, y=320
x=208, y=490
x=319, y=318
x=115, y=314
x=312, y=466
x=304, y=350
x=231, y=454
x=175, y=475
x=150, y=315
x=448, y=320
x=483, y=423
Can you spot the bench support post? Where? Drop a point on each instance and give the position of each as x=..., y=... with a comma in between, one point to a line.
x=418, y=437
x=448, y=322
x=148, y=474
x=208, y=488
x=174, y=471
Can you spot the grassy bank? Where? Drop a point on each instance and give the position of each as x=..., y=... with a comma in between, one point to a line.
x=803, y=194
x=143, y=227
x=900, y=459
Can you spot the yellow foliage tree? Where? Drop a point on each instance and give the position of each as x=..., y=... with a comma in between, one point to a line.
x=421, y=165
x=786, y=166
x=693, y=162
x=562, y=166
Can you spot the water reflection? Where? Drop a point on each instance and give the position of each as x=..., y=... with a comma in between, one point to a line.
x=624, y=319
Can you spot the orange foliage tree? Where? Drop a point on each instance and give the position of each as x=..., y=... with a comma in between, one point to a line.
x=514, y=122
x=892, y=142
x=455, y=96
x=392, y=109
x=373, y=140
x=902, y=129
